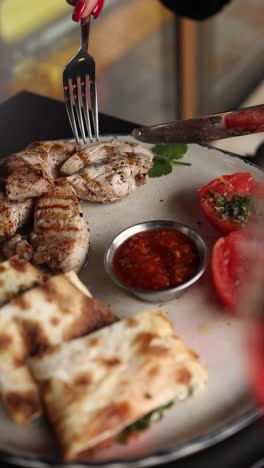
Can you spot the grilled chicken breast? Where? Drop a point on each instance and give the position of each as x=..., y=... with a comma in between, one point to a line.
x=101, y=151
x=17, y=245
x=111, y=175
x=29, y=175
x=13, y=215
x=58, y=152
x=60, y=238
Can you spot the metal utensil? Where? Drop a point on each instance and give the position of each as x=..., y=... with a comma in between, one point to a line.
x=79, y=86
x=214, y=127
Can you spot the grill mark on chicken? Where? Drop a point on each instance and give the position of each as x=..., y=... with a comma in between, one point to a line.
x=51, y=207
x=13, y=215
x=60, y=237
x=29, y=175
x=108, y=173
x=101, y=152
x=58, y=152
x=58, y=228
x=112, y=179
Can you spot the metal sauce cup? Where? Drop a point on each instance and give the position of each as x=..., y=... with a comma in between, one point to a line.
x=163, y=295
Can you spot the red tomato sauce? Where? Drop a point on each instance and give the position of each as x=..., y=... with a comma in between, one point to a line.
x=157, y=259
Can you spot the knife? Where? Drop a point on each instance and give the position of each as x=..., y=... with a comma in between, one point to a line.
x=200, y=130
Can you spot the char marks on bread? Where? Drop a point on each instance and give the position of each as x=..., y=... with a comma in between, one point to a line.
x=96, y=386
x=31, y=324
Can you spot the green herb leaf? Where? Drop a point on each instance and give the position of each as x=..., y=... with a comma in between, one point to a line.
x=238, y=207
x=165, y=157
x=143, y=423
x=171, y=151
x=161, y=166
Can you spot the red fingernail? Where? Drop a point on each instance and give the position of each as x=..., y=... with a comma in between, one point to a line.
x=78, y=11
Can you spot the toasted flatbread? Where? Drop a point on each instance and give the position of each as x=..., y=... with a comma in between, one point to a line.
x=59, y=310
x=96, y=386
x=17, y=275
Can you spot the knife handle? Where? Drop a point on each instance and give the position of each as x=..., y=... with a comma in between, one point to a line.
x=203, y=129
x=250, y=120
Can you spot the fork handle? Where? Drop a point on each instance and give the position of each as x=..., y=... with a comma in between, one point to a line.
x=85, y=25
x=85, y=32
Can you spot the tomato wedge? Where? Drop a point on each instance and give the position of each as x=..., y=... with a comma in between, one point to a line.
x=229, y=201
x=229, y=265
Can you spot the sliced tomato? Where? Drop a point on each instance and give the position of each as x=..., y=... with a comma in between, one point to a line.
x=229, y=265
x=228, y=201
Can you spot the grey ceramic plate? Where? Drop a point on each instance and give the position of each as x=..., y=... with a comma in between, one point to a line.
x=226, y=406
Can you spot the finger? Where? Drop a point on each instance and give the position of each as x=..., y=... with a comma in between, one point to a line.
x=83, y=8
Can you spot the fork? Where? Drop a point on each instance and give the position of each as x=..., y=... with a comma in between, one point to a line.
x=79, y=86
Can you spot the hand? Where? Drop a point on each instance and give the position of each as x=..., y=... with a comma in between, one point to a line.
x=82, y=8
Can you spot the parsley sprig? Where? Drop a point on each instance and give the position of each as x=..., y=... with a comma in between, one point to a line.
x=238, y=207
x=165, y=157
x=143, y=423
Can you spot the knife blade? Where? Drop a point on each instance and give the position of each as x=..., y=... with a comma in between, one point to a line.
x=201, y=130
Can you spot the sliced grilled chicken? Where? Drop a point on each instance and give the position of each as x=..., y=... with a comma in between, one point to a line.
x=58, y=151
x=100, y=152
x=17, y=245
x=112, y=177
x=29, y=175
x=13, y=215
x=60, y=238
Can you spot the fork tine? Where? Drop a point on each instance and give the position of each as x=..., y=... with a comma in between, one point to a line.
x=94, y=106
x=85, y=99
x=69, y=107
x=77, y=92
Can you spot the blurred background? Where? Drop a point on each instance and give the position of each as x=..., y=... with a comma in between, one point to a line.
x=152, y=67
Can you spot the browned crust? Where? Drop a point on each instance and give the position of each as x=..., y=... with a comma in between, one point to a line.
x=18, y=264
x=110, y=362
x=114, y=415
x=183, y=376
x=94, y=316
x=21, y=302
x=5, y=342
x=22, y=406
x=132, y=322
x=34, y=336
x=53, y=295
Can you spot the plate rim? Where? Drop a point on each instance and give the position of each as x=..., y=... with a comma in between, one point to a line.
x=195, y=445
x=183, y=450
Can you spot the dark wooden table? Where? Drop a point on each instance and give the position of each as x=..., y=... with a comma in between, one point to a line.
x=28, y=117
